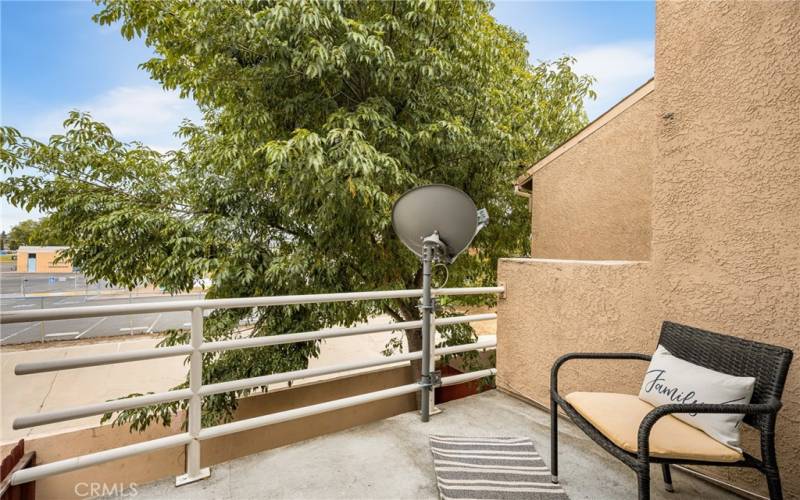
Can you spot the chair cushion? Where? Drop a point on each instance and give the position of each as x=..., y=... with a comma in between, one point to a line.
x=617, y=417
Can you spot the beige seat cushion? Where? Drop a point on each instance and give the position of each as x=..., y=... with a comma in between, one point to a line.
x=618, y=417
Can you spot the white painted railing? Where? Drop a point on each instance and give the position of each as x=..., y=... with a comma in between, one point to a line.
x=197, y=390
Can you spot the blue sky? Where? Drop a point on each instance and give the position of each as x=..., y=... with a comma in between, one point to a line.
x=54, y=59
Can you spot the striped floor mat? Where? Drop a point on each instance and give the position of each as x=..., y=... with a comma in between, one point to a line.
x=491, y=468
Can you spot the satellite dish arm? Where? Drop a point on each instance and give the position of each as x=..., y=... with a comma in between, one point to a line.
x=483, y=220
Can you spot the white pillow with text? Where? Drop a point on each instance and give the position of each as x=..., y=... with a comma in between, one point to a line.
x=671, y=380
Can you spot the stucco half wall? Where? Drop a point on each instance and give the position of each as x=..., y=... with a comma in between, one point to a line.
x=553, y=307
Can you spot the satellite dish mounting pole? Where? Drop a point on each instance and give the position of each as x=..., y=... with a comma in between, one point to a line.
x=436, y=222
x=431, y=247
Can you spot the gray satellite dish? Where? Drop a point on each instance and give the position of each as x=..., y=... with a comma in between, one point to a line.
x=437, y=209
x=436, y=222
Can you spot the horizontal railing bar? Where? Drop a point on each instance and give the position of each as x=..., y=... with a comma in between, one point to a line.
x=102, y=359
x=277, y=378
x=183, y=350
x=71, y=464
x=307, y=411
x=455, y=349
x=467, y=377
x=235, y=385
x=188, y=305
x=289, y=338
x=100, y=408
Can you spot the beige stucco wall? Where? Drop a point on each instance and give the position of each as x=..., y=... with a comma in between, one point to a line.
x=552, y=307
x=593, y=201
x=725, y=250
x=726, y=230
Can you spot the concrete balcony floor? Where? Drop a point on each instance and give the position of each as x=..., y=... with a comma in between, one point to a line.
x=390, y=459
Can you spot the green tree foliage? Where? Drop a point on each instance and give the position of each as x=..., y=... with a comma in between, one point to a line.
x=34, y=232
x=317, y=116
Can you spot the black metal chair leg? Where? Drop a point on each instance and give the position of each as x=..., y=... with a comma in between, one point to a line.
x=553, y=441
x=667, y=477
x=774, y=485
x=643, y=476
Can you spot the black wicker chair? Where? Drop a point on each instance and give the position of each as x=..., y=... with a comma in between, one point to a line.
x=768, y=364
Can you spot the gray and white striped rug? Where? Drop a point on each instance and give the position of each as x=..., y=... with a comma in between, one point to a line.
x=491, y=468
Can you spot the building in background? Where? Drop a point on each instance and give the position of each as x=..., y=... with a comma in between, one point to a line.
x=41, y=260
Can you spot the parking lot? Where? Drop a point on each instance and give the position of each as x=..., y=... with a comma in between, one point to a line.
x=72, y=329
x=30, y=291
x=21, y=284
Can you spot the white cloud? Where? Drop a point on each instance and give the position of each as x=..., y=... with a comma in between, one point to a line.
x=619, y=68
x=10, y=215
x=144, y=113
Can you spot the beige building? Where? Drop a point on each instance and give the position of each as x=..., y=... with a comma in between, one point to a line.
x=41, y=260
x=680, y=203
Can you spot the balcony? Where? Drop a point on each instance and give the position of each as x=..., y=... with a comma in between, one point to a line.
x=387, y=458
x=391, y=459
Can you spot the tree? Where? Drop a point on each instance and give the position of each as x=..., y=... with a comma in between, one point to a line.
x=317, y=116
x=34, y=232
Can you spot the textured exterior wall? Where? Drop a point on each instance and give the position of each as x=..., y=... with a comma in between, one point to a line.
x=726, y=224
x=593, y=201
x=44, y=263
x=725, y=249
x=553, y=307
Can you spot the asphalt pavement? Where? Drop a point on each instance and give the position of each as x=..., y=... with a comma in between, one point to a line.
x=13, y=284
x=72, y=329
x=30, y=291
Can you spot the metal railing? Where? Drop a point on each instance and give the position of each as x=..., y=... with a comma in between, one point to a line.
x=197, y=390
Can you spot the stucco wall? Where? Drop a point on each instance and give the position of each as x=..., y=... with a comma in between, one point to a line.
x=726, y=227
x=725, y=249
x=553, y=307
x=44, y=263
x=593, y=201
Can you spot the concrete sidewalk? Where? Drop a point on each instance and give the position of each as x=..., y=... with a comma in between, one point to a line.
x=31, y=394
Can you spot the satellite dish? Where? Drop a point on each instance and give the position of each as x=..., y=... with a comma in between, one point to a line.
x=436, y=222
x=437, y=210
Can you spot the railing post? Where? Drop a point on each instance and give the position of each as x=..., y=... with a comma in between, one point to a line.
x=193, y=470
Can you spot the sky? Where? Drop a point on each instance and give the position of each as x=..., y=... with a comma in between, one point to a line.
x=54, y=58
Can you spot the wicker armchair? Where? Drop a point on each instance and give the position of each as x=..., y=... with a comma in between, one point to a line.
x=768, y=364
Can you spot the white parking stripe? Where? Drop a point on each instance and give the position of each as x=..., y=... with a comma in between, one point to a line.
x=150, y=330
x=23, y=330
x=62, y=334
x=67, y=301
x=23, y=305
x=133, y=328
x=91, y=328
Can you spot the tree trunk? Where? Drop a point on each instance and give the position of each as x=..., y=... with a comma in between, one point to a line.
x=414, y=338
